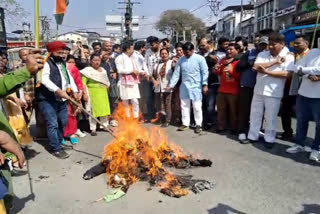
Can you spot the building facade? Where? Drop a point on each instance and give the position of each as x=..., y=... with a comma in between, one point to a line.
x=233, y=25
x=72, y=37
x=284, y=18
x=306, y=13
x=247, y=29
x=267, y=16
x=274, y=15
x=264, y=15
x=85, y=37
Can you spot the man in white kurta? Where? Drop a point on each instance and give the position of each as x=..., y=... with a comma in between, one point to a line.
x=139, y=51
x=274, y=66
x=129, y=78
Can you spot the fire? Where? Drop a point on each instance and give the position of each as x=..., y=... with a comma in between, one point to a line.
x=137, y=153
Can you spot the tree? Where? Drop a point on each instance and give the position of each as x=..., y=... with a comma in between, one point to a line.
x=172, y=21
x=14, y=13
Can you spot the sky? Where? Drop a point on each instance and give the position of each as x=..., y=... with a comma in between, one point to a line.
x=90, y=14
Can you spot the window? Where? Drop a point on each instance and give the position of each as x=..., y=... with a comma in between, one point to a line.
x=286, y=3
x=271, y=6
x=270, y=22
x=259, y=12
x=268, y=7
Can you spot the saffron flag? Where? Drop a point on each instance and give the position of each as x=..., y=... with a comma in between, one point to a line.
x=61, y=7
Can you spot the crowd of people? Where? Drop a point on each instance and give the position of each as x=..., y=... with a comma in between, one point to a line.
x=229, y=88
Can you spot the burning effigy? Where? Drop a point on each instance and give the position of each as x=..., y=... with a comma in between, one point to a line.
x=139, y=153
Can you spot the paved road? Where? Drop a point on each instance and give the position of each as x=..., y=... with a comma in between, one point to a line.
x=249, y=178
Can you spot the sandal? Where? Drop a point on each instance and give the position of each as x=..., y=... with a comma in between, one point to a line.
x=73, y=140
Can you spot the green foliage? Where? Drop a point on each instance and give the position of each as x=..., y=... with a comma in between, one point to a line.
x=177, y=20
x=309, y=5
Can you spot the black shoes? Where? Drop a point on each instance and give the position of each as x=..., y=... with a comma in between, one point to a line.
x=165, y=125
x=182, y=128
x=286, y=136
x=245, y=141
x=207, y=126
x=198, y=130
x=234, y=132
x=61, y=154
x=219, y=131
x=66, y=147
x=268, y=145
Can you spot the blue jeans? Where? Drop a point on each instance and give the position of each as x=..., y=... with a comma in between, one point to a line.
x=56, y=116
x=211, y=100
x=307, y=109
x=150, y=100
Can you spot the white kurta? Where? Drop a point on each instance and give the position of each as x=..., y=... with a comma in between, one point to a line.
x=126, y=65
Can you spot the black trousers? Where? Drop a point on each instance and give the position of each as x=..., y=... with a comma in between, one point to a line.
x=287, y=112
x=245, y=99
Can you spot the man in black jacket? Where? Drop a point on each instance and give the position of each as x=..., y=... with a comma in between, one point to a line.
x=108, y=63
x=209, y=101
x=51, y=94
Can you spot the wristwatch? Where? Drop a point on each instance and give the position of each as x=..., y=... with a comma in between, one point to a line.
x=300, y=72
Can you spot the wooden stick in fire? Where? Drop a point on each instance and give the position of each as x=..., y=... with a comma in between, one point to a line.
x=90, y=115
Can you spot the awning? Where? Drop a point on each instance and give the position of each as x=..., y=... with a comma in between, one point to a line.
x=299, y=28
x=238, y=7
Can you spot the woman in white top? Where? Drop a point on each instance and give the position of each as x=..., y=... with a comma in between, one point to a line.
x=161, y=78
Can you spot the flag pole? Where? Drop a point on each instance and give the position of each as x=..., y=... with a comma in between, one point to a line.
x=315, y=30
x=36, y=24
x=57, y=33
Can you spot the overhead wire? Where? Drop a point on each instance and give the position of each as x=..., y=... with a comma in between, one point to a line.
x=191, y=11
x=146, y=24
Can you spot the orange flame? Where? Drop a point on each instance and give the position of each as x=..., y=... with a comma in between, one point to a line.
x=136, y=150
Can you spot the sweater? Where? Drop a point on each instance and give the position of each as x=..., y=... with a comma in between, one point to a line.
x=229, y=81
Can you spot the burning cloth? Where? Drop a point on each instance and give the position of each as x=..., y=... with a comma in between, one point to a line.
x=138, y=153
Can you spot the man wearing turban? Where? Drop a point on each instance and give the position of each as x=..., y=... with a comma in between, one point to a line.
x=52, y=90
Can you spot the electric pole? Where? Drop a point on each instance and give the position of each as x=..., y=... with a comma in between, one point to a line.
x=215, y=6
x=128, y=18
x=45, y=29
x=241, y=18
